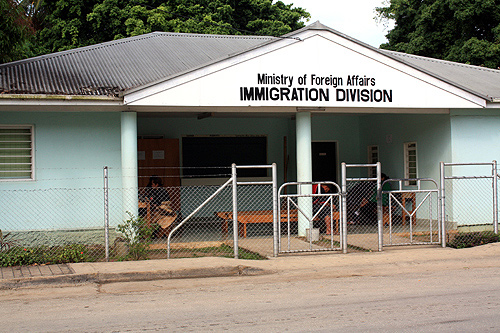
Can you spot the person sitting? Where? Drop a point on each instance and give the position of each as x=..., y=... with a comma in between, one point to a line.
x=321, y=207
x=160, y=212
x=367, y=211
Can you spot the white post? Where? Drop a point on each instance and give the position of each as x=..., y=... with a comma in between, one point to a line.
x=344, y=208
x=276, y=216
x=442, y=196
x=380, y=213
x=130, y=182
x=106, y=213
x=236, y=230
x=495, y=197
x=304, y=168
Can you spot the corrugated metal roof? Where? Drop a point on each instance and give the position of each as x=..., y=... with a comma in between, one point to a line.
x=481, y=81
x=112, y=67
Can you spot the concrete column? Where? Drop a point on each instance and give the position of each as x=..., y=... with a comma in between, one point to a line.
x=304, y=167
x=130, y=181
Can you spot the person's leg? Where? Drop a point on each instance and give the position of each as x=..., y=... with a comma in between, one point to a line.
x=328, y=223
x=368, y=213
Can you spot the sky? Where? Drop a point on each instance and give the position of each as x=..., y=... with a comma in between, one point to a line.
x=354, y=18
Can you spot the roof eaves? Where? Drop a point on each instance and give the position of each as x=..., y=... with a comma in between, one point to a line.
x=54, y=97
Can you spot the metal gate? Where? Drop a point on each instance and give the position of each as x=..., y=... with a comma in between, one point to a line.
x=374, y=211
x=412, y=216
x=244, y=210
x=361, y=231
x=310, y=217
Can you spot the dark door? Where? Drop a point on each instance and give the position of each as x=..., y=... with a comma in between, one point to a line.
x=324, y=161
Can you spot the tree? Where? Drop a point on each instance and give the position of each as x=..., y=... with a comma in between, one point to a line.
x=15, y=30
x=465, y=31
x=65, y=24
x=260, y=17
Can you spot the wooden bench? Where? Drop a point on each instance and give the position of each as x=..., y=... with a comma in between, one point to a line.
x=263, y=216
x=163, y=216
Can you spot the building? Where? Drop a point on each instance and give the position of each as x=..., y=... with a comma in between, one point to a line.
x=307, y=101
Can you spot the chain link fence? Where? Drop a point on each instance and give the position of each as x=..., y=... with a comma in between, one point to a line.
x=68, y=224
x=471, y=201
x=197, y=220
x=53, y=225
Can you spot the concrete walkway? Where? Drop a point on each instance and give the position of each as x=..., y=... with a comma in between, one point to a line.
x=19, y=272
x=395, y=260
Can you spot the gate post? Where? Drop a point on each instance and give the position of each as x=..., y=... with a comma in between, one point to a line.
x=380, y=214
x=106, y=213
x=443, y=208
x=344, y=207
x=235, y=211
x=276, y=218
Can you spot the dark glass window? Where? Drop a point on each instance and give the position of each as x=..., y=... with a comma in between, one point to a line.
x=213, y=156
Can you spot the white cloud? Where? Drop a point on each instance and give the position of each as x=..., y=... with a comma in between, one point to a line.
x=355, y=18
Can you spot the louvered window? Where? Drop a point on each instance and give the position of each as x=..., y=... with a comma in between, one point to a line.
x=16, y=152
x=411, y=162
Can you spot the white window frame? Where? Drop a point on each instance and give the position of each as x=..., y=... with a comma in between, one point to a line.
x=371, y=150
x=410, y=149
x=30, y=154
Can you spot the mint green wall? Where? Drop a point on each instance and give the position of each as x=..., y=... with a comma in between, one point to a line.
x=71, y=149
x=430, y=132
x=65, y=147
x=475, y=137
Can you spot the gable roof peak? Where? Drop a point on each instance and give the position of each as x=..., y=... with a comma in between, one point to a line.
x=317, y=26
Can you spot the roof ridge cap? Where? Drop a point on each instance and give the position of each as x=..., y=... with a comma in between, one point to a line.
x=189, y=34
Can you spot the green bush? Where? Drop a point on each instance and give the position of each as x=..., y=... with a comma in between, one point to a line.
x=72, y=253
x=7, y=241
x=471, y=239
x=22, y=256
x=137, y=235
x=19, y=256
